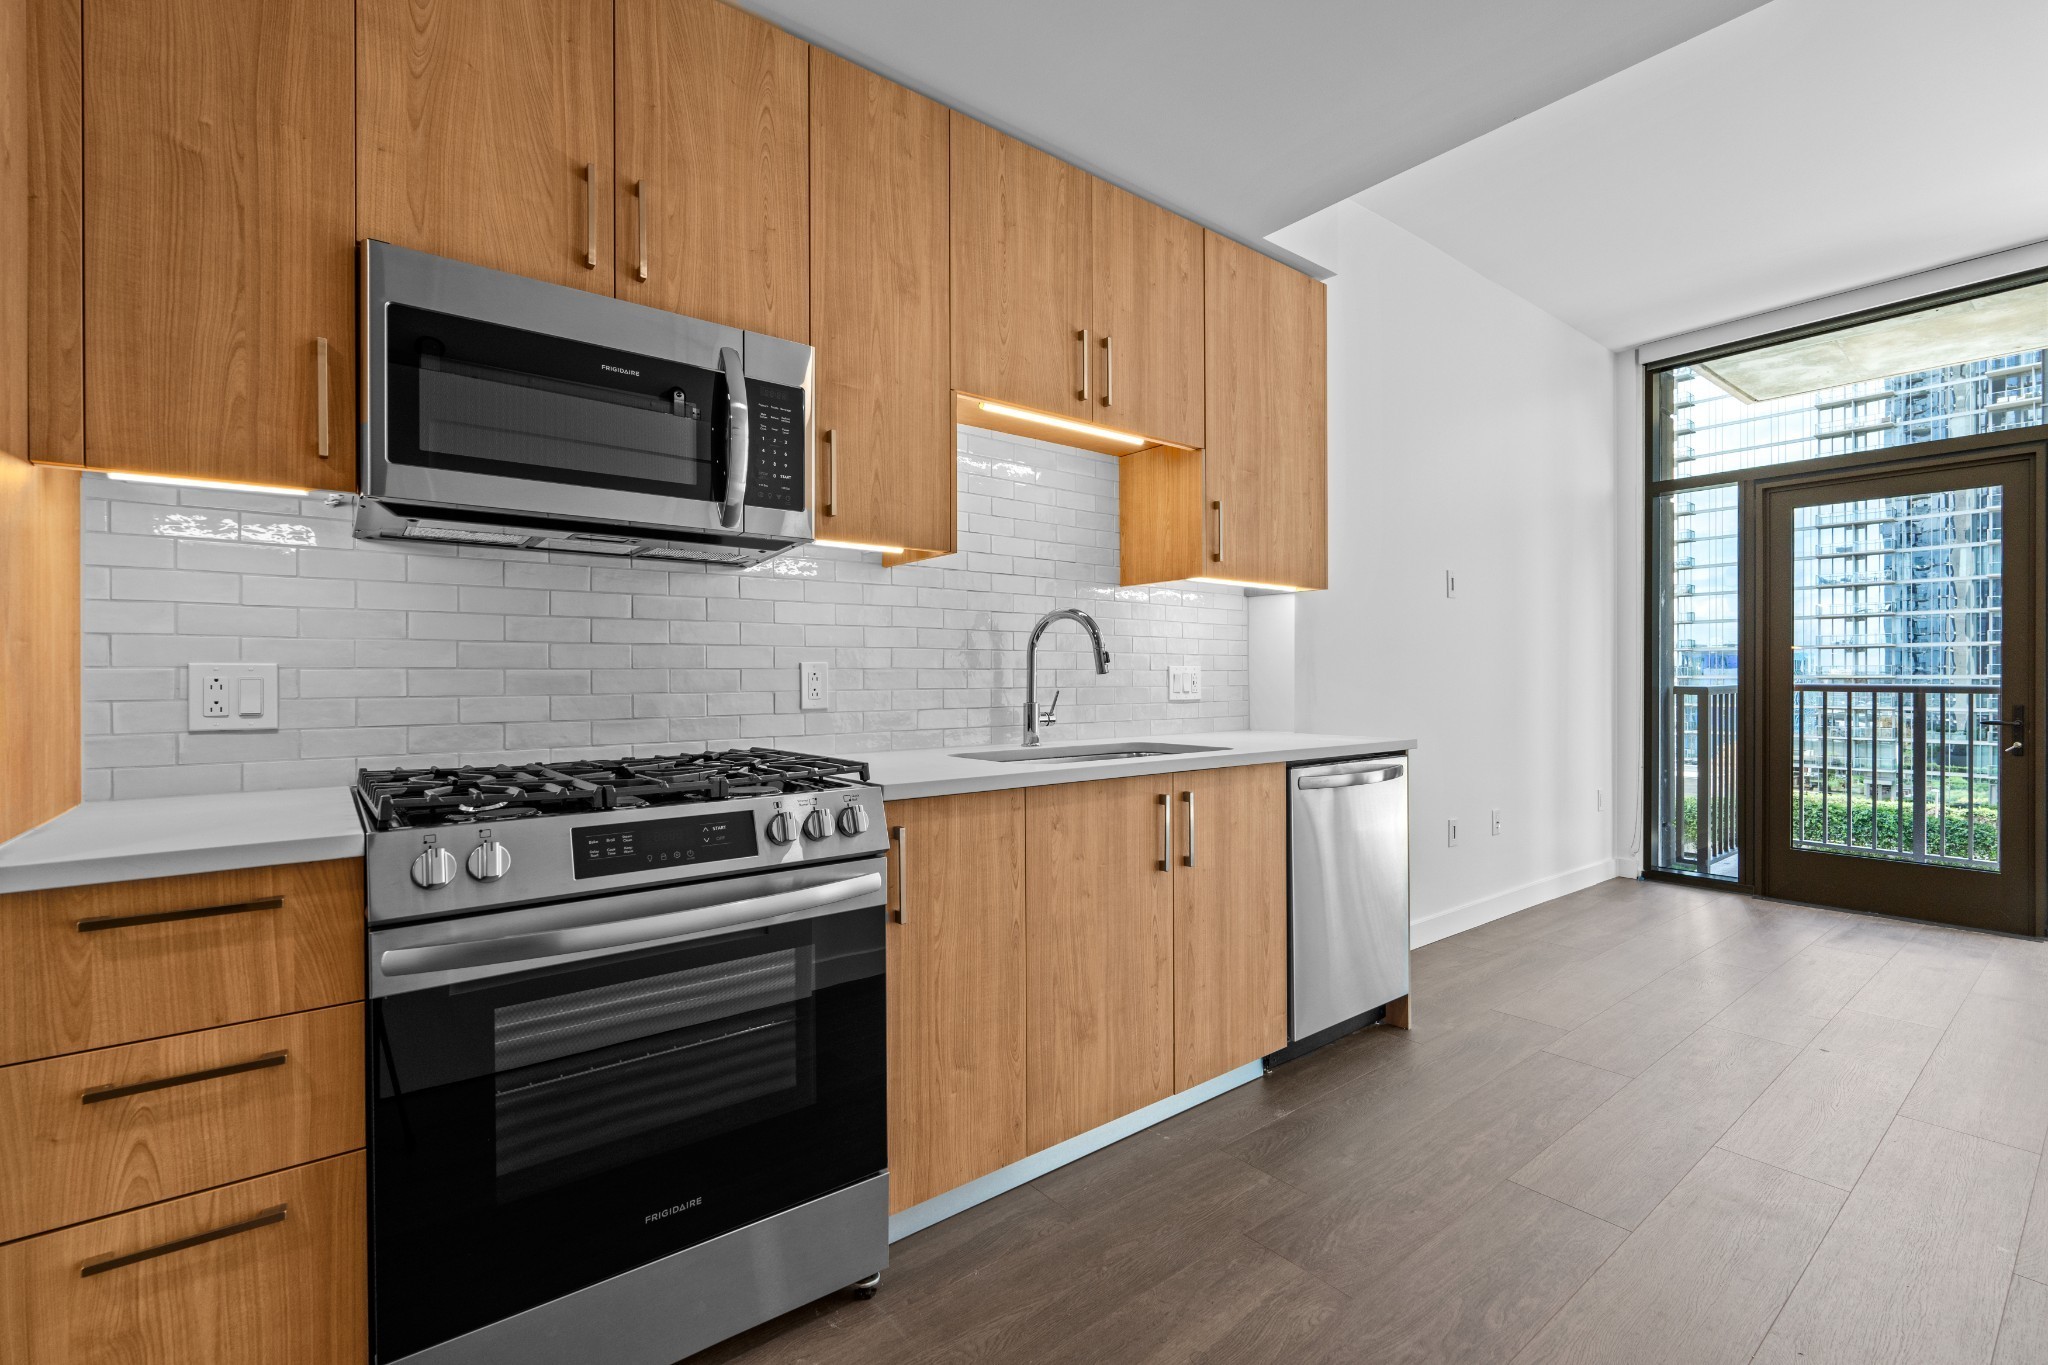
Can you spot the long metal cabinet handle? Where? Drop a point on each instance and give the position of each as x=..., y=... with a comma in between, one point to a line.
x=1189, y=798
x=640, y=218
x=1165, y=833
x=212, y=1073
x=267, y=1218
x=734, y=507
x=320, y=389
x=1364, y=779
x=87, y=926
x=1109, y=372
x=1083, y=334
x=900, y=836
x=832, y=471
x=629, y=933
x=1216, y=550
x=590, y=215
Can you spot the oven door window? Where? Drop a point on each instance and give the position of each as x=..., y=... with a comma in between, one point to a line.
x=478, y=398
x=534, y=1134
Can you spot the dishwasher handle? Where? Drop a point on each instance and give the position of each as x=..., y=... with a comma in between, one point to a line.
x=1384, y=772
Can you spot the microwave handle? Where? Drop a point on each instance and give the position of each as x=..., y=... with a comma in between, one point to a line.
x=733, y=508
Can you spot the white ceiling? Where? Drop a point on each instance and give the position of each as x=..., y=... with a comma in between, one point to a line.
x=1807, y=147
x=1247, y=116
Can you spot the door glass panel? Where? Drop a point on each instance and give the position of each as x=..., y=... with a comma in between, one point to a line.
x=1696, y=827
x=1897, y=629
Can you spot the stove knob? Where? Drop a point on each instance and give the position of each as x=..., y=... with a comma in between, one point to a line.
x=782, y=828
x=489, y=861
x=435, y=867
x=817, y=825
x=853, y=820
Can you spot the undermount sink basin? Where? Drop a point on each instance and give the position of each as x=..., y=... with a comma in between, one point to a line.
x=1088, y=753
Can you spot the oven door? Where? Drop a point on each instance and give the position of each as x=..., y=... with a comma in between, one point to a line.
x=493, y=393
x=562, y=1093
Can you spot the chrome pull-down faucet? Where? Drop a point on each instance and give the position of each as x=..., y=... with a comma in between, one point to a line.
x=1032, y=720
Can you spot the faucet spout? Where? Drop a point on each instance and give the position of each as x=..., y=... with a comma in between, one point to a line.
x=1032, y=719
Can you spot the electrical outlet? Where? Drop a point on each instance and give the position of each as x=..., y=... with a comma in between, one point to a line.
x=1183, y=682
x=1451, y=834
x=814, y=687
x=1450, y=582
x=231, y=697
x=1496, y=821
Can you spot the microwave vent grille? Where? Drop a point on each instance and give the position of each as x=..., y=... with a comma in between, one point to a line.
x=463, y=534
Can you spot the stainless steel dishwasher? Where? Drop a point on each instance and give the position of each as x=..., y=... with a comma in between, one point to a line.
x=1347, y=825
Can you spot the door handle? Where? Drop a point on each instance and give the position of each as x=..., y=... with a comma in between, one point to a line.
x=1109, y=372
x=832, y=471
x=2017, y=725
x=1216, y=551
x=640, y=223
x=590, y=215
x=900, y=836
x=1083, y=335
x=1189, y=798
x=1165, y=834
x=734, y=507
x=320, y=389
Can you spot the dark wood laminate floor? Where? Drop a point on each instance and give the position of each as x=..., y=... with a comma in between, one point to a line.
x=1637, y=1124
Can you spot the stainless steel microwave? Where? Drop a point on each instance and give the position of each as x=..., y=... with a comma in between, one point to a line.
x=499, y=410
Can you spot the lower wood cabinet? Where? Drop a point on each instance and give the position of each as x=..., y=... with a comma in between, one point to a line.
x=93, y=1133
x=94, y=966
x=1229, y=920
x=956, y=991
x=1099, y=949
x=263, y=1272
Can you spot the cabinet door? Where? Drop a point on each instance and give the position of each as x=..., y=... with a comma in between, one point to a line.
x=485, y=133
x=261, y=1273
x=1020, y=273
x=879, y=278
x=1099, y=948
x=714, y=175
x=956, y=992
x=1147, y=304
x=1229, y=920
x=219, y=174
x=1266, y=440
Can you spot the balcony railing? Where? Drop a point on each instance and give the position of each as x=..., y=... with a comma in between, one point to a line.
x=1902, y=771
x=1699, y=805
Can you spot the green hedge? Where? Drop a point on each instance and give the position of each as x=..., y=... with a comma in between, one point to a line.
x=1952, y=840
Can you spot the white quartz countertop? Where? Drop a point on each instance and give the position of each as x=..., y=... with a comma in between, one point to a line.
x=912, y=773
x=169, y=836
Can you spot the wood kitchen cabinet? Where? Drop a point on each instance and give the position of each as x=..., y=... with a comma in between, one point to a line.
x=880, y=173
x=1229, y=920
x=956, y=964
x=217, y=220
x=1146, y=302
x=484, y=133
x=1098, y=952
x=713, y=184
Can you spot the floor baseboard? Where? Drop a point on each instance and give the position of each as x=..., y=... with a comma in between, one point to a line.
x=1472, y=914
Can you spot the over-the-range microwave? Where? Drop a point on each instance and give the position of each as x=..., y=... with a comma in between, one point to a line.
x=505, y=411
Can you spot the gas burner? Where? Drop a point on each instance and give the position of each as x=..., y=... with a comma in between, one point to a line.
x=425, y=798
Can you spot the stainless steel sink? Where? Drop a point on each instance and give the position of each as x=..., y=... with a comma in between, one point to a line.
x=1090, y=753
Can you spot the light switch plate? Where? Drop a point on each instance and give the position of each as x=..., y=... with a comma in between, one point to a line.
x=1183, y=682
x=814, y=687
x=231, y=697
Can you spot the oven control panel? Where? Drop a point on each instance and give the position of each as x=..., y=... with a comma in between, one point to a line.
x=647, y=845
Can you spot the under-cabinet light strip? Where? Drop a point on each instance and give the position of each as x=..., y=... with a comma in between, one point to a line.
x=173, y=481
x=1064, y=424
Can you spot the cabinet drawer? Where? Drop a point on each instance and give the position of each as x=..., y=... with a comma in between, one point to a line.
x=97, y=1132
x=264, y=1272
x=94, y=966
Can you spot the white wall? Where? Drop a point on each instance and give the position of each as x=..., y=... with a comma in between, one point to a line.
x=1469, y=431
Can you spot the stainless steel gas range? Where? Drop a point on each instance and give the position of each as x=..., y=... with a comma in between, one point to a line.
x=627, y=1086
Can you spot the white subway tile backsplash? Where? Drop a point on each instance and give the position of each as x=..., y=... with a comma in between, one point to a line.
x=395, y=654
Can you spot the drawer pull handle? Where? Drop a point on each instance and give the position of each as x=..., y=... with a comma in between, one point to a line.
x=261, y=1220
x=87, y=926
x=212, y=1073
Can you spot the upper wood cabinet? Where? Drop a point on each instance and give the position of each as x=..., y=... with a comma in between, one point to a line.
x=1147, y=309
x=956, y=991
x=218, y=231
x=1229, y=920
x=485, y=132
x=880, y=169
x=1099, y=953
x=1021, y=319
x=1267, y=453
x=713, y=185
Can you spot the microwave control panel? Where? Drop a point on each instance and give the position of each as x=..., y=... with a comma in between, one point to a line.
x=645, y=845
x=775, y=460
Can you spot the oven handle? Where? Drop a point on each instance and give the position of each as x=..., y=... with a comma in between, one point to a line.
x=734, y=507
x=537, y=948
